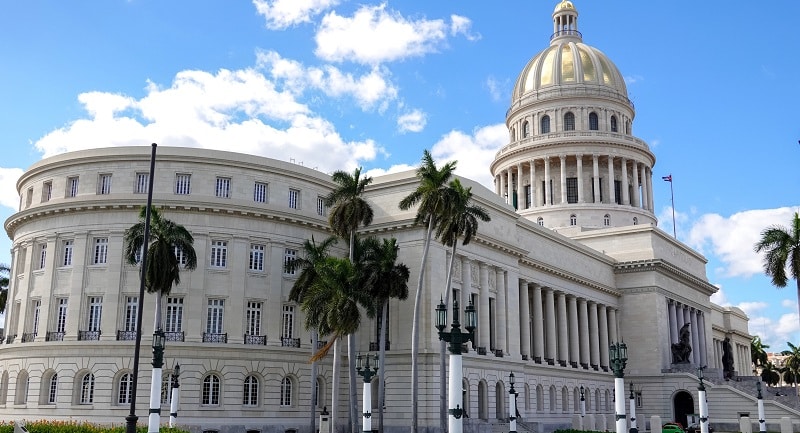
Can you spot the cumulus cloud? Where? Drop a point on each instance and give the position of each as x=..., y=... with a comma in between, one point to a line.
x=463, y=26
x=411, y=122
x=474, y=153
x=375, y=35
x=8, y=193
x=495, y=88
x=281, y=14
x=239, y=110
x=375, y=172
x=731, y=239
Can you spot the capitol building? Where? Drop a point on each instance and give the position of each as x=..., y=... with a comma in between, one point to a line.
x=571, y=262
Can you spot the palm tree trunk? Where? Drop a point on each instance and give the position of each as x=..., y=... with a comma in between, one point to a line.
x=415, y=333
x=314, y=396
x=351, y=359
x=443, y=346
x=382, y=362
x=335, y=386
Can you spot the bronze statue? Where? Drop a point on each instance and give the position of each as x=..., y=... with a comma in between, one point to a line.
x=682, y=350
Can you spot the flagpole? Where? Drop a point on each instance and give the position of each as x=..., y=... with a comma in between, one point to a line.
x=668, y=178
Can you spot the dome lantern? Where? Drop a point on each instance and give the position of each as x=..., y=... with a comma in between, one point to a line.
x=565, y=23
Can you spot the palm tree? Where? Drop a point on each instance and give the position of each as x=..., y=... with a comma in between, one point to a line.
x=431, y=199
x=792, y=364
x=461, y=221
x=349, y=210
x=384, y=279
x=757, y=352
x=162, y=266
x=5, y=273
x=782, y=249
x=313, y=254
x=770, y=374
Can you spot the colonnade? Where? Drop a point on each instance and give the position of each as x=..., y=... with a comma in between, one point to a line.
x=679, y=315
x=635, y=181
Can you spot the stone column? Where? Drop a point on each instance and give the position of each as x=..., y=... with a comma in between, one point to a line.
x=501, y=311
x=483, y=308
x=525, y=319
x=645, y=193
x=701, y=330
x=673, y=322
x=574, y=340
x=550, y=324
x=548, y=199
x=626, y=199
x=520, y=190
x=635, y=171
x=613, y=336
x=563, y=339
x=563, y=169
x=596, y=179
x=583, y=332
x=695, y=338
x=604, y=342
x=510, y=187
x=503, y=193
x=611, y=198
x=466, y=282
x=650, y=189
x=579, y=162
x=594, y=337
x=497, y=185
x=538, y=324
x=534, y=202
x=513, y=320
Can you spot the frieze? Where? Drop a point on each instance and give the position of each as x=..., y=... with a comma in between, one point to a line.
x=659, y=265
x=570, y=277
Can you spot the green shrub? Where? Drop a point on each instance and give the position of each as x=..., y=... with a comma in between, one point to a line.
x=77, y=427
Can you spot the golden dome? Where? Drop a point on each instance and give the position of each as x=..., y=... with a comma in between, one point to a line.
x=565, y=4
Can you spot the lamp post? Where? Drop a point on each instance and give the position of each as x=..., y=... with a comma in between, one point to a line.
x=159, y=342
x=701, y=395
x=762, y=423
x=366, y=371
x=175, y=397
x=632, y=410
x=512, y=405
x=456, y=338
x=583, y=403
x=619, y=357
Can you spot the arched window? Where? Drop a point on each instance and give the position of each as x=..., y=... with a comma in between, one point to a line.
x=606, y=220
x=465, y=395
x=124, y=387
x=544, y=125
x=608, y=401
x=483, y=400
x=527, y=398
x=614, y=124
x=319, y=393
x=526, y=129
x=286, y=391
x=513, y=134
x=21, y=395
x=49, y=387
x=250, y=391
x=588, y=400
x=87, y=389
x=576, y=400
x=4, y=387
x=628, y=127
x=635, y=220
x=500, y=397
x=569, y=121
x=211, y=390
x=596, y=400
x=166, y=387
x=539, y=398
x=552, y=399
x=540, y=221
x=564, y=400
x=573, y=220
x=594, y=125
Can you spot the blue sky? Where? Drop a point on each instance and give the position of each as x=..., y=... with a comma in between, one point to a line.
x=336, y=84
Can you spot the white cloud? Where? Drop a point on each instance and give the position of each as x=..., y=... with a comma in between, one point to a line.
x=788, y=303
x=474, y=153
x=8, y=193
x=494, y=88
x=731, y=239
x=751, y=308
x=238, y=110
x=393, y=169
x=281, y=14
x=412, y=122
x=375, y=35
x=461, y=26
x=719, y=297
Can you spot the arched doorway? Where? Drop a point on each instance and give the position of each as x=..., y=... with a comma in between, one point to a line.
x=683, y=405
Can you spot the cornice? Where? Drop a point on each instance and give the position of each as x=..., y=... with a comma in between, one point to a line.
x=569, y=276
x=666, y=268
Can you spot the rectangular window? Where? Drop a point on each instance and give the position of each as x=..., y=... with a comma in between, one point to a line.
x=100, y=251
x=260, y=192
x=174, y=318
x=47, y=191
x=95, y=313
x=288, y=255
x=104, y=184
x=219, y=254
x=216, y=311
x=22, y=255
x=183, y=184
x=142, y=183
x=528, y=197
x=29, y=197
x=223, y=188
x=256, y=257
x=253, y=318
x=36, y=307
x=294, y=195
x=492, y=331
x=72, y=186
x=180, y=255
x=61, y=315
x=321, y=211
x=572, y=190
x=131, y=311
x=618, y=192
x=42, y=255
x=68, y=247
x=287, y=329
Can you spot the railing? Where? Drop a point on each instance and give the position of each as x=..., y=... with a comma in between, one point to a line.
x=375, y=346
x=10, y=339
x=481, y=350
x=290, y=342
x=126, y=335
x=88, y=335
x=260, y=340
x=27, y=337
x=174, y=336
x=209, y=337
x=566, y=32
x=54, y=336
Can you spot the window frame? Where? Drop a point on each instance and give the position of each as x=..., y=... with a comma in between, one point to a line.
x=210, y=390
x=104, y=183
x=73, y=183
x=183, y=184
x=261, y=192
x=294, y=198
x=222, y=187
x=100, y=251
x=219, y=254
x=257, y=255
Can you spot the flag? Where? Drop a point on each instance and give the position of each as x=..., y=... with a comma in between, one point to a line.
x=667, y=178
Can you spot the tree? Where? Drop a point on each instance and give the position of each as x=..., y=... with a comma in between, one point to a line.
x=348, y=211
x=313, y=254
x=757, y=352
x=460, y=220
x=384, y=279
x=5, y=273
x=792, y=364
x=431, y=199
x=770, y=374
x=781, y=246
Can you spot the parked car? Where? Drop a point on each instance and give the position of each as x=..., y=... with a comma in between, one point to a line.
x=695, y=428
x=672, y=427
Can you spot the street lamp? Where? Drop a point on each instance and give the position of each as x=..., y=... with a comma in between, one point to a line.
x=583, y=403
x=456, y=338
x=366, y=371
x=762, y=423
x=159, y=342
x=701, y=395
x=632, y=410
x=512, y=405
x=618, y=353
x=175, y=397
